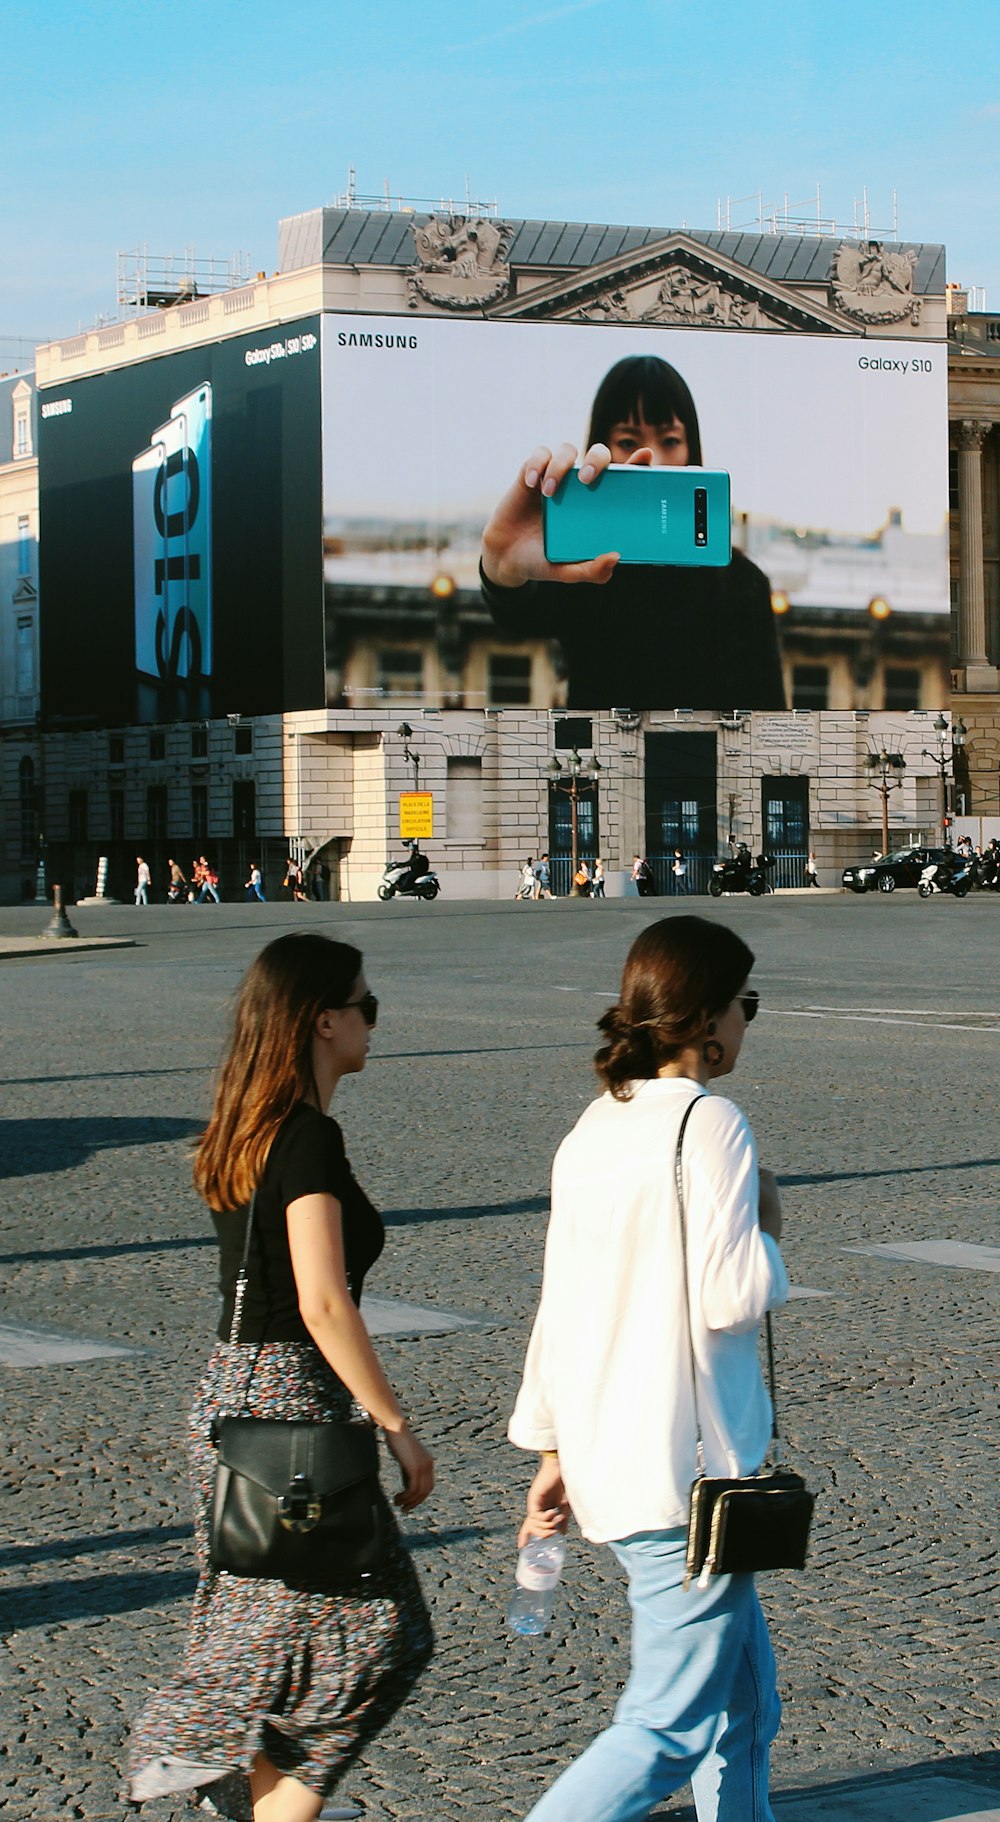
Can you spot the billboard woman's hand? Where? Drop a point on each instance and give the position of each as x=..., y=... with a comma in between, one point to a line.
x=513, y=542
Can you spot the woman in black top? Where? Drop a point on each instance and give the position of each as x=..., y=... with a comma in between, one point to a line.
x=645, y=636
x=279, y=1689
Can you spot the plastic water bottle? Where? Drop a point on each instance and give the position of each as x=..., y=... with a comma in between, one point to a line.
x=539, y=1567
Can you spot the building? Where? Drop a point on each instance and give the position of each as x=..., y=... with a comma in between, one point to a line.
x=245, y=589
x=974, y=437
x=20, y=749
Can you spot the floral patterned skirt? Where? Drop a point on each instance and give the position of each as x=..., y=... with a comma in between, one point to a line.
x=306, y=1679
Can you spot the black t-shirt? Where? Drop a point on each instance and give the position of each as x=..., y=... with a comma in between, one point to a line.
x=655, y=637
x=307, y=1158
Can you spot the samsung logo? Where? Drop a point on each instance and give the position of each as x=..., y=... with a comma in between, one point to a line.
x=348, y=339
x=57, y=409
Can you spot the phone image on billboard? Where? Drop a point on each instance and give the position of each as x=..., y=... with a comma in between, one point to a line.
x=678, y=516
x=172, y=556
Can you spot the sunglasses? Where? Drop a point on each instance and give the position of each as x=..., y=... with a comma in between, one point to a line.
x=367, y=1005
x=750, y=1003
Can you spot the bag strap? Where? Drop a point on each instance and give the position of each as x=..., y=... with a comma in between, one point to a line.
x=242, y=1280
x=679, y=1180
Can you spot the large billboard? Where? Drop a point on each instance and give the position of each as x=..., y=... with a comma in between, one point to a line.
x=180, y=545
x=836, y=447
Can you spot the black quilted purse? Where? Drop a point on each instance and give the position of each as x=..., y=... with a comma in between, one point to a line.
x=295, y=1502
x=759, y=1521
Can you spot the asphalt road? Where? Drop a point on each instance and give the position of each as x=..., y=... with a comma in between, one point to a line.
x=871, y=1081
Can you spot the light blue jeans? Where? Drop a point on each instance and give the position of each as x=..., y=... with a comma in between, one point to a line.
x=699, y=1705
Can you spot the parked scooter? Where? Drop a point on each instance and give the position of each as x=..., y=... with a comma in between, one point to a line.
x=742, y=874
x=398, y=881
x=953, y=876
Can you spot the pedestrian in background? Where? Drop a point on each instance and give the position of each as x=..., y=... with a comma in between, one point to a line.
x=253, y=888
x=540, y=869
x=143, y=881
x=177, y=889
x=208, y=882
x=525, y=881
x=581, y=880
x=680, y=872
x=597, y=883
x=810, y=870
x=280, y=1689
x=607, y=1396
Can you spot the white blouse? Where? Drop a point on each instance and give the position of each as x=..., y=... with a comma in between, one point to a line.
x=607, y=1378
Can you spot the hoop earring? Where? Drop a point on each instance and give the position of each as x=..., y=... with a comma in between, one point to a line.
x=712, y=1051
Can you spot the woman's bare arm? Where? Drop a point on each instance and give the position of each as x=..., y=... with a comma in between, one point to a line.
x=316, y=1245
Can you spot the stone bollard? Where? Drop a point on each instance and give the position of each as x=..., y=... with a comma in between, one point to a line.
x=60, y=925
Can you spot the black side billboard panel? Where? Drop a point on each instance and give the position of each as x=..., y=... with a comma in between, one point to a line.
x=181, y=535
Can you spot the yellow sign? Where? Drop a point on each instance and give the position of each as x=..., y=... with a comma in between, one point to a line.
x=416, y=815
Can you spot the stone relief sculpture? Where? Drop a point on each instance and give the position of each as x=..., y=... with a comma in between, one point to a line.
x=461, y=262
x=681, y=296
x=873, y=283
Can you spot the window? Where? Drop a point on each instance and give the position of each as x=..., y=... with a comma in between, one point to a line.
x=116, y=814
x=78, y=815
x=561, y=820
x=465, y=800
x=902, y=687
x=21, y=399
x=25, y=669
x=680, y=794
x=23, y=545
x=116, y=749
x=22, y=442
x=509, y=679
x=156, y=811
x=29, y=809
x=573, y=731
x=199, y=814
x=242, y=738
x=810, y=686
x=199, y=743
x=400, y=672
x=786, y=815
x=244, y=809
x=157, y=745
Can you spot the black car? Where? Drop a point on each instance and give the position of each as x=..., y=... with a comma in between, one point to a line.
x=903, y=868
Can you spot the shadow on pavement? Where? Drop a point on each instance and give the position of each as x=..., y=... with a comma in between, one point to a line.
x=93, y=1597
x=393, y=1217
x=35, y=1148
x=897, y=1170
x=18, y=1556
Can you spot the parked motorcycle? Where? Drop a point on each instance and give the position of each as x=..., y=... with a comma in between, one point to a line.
x=953, y=876
x=739, y=876
x=398, y=882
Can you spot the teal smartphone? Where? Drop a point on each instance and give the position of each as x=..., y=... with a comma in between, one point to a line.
x=649, y=515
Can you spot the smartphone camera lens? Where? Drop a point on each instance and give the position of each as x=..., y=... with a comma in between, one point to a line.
x=701, y=515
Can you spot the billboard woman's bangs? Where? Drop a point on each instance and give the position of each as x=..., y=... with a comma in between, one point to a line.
x=644, y=387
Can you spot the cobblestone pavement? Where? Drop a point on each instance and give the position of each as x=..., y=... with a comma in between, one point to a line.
x=871, y=1081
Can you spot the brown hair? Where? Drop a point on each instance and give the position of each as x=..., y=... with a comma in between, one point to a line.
x=269, y=1063
x=677, y=974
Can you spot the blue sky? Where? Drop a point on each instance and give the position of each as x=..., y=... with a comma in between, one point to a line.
x=202, y=122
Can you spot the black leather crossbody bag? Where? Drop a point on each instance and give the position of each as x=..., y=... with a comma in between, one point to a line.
x=758, y=1521
x=295, y=1502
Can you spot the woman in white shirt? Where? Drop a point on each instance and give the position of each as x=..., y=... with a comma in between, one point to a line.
x=607, y=1396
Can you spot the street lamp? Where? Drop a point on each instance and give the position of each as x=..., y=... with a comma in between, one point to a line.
x=880, y=768
x=578, y=775
x=405, y=733
x=941, y=761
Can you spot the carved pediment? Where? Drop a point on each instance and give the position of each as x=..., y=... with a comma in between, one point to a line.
x=673, y=281
x=24, y=593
